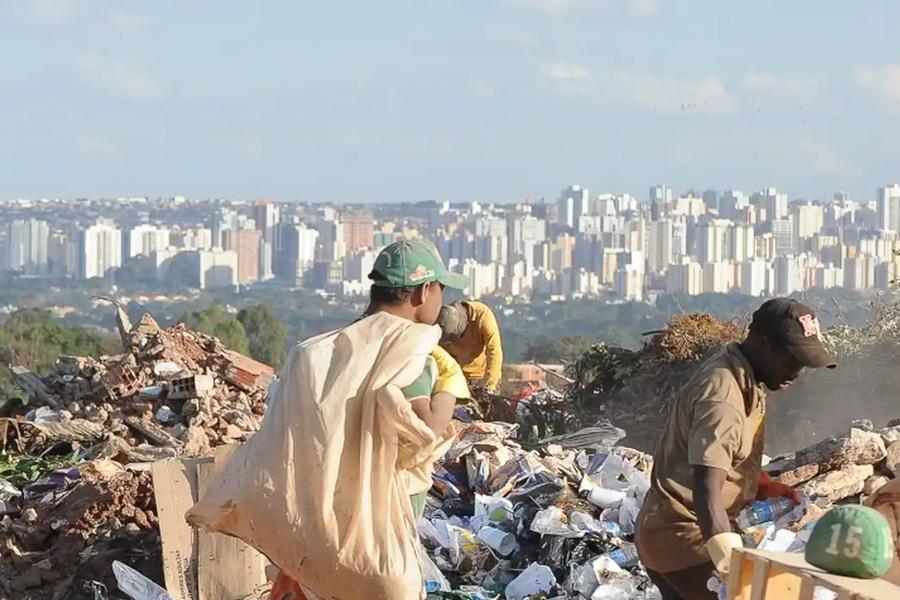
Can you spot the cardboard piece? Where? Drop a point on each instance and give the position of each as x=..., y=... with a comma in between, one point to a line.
x=199, y=565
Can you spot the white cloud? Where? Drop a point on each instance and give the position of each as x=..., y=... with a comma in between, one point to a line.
x=98, y=147
x=637, y=8
x=564, y=71
x=117, y=77
x=665, y=94
x=883, y=82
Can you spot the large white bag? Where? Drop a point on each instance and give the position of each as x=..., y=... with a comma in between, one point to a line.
x=321, y=488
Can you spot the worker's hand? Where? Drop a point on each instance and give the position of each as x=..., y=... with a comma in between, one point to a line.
x=769, y=488
x=720, y=548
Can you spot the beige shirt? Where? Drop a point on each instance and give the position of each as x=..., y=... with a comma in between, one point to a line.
x=715, y=420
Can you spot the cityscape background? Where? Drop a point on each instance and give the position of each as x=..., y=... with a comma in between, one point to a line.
x=615, y=247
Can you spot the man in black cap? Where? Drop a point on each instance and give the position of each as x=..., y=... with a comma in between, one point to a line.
x=708, y=465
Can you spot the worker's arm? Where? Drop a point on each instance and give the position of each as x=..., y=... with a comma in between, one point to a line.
x=707, y=487
x=770, y=488
x=715, y=436
x=493, y=349
x=436, y=411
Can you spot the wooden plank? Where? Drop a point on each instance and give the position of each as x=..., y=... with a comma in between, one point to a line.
x=228, y=568
x=807, y=589
x=175, y=490
x=783, y=584
x=760, y=579
x=735, y=573
x=871, y=589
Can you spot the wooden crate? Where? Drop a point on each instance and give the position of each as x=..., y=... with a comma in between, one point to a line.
x=764, y=575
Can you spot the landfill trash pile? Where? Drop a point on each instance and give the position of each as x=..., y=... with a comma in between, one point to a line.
x=552, y=521
x=75, y=488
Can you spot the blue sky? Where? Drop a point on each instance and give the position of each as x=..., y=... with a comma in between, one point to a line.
x=491, y=100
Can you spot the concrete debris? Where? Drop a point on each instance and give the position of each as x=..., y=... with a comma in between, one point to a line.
x=173, y=392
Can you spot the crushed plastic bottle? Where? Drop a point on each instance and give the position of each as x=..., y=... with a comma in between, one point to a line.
x=626, y=556
x=137, y=586
x=763, y=511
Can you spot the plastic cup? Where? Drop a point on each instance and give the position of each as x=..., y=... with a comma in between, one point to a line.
x=502, y=542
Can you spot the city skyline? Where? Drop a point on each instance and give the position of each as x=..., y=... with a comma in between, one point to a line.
x=455, y=99
x=614, y=247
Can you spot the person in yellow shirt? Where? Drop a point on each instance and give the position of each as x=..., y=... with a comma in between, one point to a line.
x=472, y=337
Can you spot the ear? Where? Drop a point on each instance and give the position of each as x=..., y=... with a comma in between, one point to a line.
x=418, y=295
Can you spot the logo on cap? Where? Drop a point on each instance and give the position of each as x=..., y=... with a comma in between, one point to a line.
x=420, y=273
x=810, y=325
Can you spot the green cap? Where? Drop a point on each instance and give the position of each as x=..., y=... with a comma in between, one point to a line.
x=413, y=262
x=852, y=540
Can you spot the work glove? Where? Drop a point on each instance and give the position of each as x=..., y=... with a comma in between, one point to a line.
x=720, y=547
x=769, y=488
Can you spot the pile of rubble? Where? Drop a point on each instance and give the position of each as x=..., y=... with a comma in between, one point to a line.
x=844, y=468
x=75, y=487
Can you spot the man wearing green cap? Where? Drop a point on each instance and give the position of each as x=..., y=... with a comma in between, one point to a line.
x=408, y=280
x=708, y=464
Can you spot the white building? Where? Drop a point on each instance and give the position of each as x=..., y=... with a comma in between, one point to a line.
x=27, y=247
x=99, y=250
x=143, y=240
x=714, y=241
x=719, y=277
x=888, y=207
x=829, y=276
x=772, y=204
x=572, y=205
x=685, y=277
x=756, y=277
x=809, y=219
x=788, y=275
x=629, y=284
x=859, y=272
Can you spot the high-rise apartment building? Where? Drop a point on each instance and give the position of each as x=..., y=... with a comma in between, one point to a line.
x=143, y=240
x=358, y=231
x=888, y=208
x=99, y=250
x=27, y=247
x=246, y=244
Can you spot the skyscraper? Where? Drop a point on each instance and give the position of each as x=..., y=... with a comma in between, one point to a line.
x=358, y=231
x=888, y=208
x=572, y=204
x=660, y=201
x=143, y=240
x=27, y=246
x=99, y=250
x=245, y=243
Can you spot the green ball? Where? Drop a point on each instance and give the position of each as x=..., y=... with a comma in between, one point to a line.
x=852, y=540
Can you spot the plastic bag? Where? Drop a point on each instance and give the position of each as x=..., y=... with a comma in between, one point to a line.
x=536, y=579
x=137, y=586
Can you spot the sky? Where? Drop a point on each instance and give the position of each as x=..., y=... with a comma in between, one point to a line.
x=461, y=100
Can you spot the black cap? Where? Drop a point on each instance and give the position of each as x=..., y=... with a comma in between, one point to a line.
x=796, y=327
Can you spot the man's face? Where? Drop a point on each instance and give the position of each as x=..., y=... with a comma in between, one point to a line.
x=780, y=368
x=431, y=301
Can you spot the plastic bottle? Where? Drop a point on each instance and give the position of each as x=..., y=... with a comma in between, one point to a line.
x=626, y=556
x=763, y=511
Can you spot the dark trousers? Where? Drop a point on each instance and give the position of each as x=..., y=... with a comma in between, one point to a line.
x=686, y=584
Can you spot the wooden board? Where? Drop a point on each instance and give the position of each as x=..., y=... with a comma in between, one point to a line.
x=761, y=575
x=175, y=489
x=228, y=568
x=200, y=565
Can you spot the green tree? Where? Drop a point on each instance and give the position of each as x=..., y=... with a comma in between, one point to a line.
x=217, y=322
x=32, y=338
x=267, y=335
